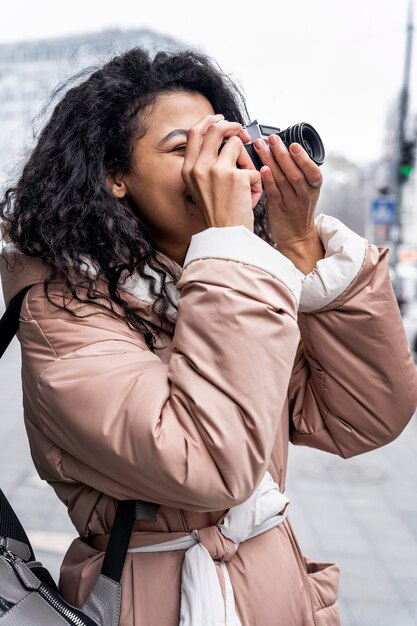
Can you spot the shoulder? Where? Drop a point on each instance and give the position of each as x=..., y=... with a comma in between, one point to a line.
x=60, y=330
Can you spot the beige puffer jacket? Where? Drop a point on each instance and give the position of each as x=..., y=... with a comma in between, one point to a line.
x=241, y=372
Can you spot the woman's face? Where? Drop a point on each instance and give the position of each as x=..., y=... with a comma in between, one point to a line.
x=154, y=187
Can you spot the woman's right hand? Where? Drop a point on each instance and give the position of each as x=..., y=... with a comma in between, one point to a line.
x=225, y=194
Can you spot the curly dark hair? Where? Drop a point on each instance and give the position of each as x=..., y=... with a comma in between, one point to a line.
x=61, y=210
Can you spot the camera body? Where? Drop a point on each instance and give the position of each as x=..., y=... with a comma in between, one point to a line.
x=302, y=133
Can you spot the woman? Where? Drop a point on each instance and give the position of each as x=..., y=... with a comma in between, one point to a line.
x=170, y=354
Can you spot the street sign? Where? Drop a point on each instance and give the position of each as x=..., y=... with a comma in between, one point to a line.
x=383, y=211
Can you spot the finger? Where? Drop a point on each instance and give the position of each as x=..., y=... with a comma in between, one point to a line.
x=244, y=136
x=234, y=153
x=244, y=161
x=310, y=169
x=272, y=191
x=293, y=173
x=214, y=137
x=264, y=153
x=255, y=181
x=195, y=137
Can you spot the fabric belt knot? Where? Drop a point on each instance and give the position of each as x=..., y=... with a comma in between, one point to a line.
x=217, y=545
x=202, y=602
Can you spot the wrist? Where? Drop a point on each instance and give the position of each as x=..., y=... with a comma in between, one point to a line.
x=304, y=251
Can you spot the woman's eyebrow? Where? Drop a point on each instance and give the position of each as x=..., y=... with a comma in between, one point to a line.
x=171, y=135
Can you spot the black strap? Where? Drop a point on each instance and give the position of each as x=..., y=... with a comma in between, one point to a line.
x=116, y=551
x=127, y=510
x=10, y=525
x=9, y=323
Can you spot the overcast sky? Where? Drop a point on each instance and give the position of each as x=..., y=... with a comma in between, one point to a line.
x=337, y=64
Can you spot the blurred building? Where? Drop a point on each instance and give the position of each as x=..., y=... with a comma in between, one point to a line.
x=346, y=192
x=30, y=71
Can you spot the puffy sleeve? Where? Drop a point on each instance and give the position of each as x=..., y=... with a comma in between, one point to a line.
x=354, y=383
x=198, y=431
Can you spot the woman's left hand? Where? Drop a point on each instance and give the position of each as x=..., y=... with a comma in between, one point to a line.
x=292, y=183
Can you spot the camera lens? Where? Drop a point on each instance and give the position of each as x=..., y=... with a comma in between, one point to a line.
x=308, y=137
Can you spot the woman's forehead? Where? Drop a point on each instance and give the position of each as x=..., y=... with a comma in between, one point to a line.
x=174, y=110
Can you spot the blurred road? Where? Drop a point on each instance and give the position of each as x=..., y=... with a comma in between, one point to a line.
x=360, y=513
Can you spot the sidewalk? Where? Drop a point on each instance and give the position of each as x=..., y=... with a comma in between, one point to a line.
x=360, y=513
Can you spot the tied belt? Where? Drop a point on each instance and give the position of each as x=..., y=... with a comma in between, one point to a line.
x=202, y=599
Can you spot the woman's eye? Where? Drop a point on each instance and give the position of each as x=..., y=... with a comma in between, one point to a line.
x=180, y=148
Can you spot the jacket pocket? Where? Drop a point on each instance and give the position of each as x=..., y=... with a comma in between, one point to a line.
x=323, y=584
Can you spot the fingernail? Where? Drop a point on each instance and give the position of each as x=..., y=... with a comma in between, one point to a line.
x=295, y=148
x=274, y=140
x=259, y=143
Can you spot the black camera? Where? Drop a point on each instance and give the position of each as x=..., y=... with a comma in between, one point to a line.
x=301, y=133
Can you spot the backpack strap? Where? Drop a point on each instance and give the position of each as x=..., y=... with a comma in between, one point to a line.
x=127, y=510
x=9, y=323
x=11, y=528
x=115, y=556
